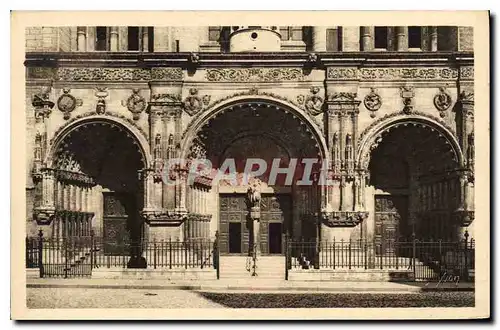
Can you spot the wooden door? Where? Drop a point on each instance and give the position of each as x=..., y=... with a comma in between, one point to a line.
x=233, y=210
x=275, y=208
x=390, y=221
x=118, y=211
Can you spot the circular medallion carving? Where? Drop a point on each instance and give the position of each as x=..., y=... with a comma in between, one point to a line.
x=66, y=103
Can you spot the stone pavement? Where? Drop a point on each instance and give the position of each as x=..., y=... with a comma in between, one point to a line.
x=249, y=285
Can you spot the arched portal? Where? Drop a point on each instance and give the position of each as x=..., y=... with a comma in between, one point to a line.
x=97, y=163
x=278, y=205
x=414, y=184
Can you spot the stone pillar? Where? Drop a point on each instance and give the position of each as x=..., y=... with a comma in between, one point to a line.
x=367, y=38
x=319, y=38
x=123, y=38
x=350, y=38
x=81, y=33
x=162, y=40
x=145, y=39
x=401, y=38
x=433, y=34
x=113, y=38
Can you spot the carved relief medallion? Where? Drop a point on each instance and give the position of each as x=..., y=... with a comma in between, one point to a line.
x=314, y=102
x=135, y=103
x=442, y=101
x=67, y=103
x=372, y=102
x=193, y=103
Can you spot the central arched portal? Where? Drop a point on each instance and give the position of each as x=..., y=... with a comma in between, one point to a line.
x=257, y=212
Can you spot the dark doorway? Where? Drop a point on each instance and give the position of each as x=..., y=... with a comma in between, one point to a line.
x=235, y=237
x=275, y=233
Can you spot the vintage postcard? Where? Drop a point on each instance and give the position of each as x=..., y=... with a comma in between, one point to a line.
x=322, y=166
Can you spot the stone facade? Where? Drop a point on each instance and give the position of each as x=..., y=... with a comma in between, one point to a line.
x=356, y=110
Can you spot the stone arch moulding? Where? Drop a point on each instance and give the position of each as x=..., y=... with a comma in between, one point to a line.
x=370, y=134
x=217, y=108
x=137, y=135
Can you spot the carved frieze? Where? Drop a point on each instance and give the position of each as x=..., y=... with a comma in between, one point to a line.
x=135, y=103
x=372, y=102
x=442, y=101
x=399, y=73
x=167, y=74
x=106, y=74
x=254, y=75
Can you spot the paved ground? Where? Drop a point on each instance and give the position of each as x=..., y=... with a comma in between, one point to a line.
x=115, y=298
x=139, y=298
x=248, y=285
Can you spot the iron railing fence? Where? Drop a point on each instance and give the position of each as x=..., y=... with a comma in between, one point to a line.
x=78, y=256
x=426, y=260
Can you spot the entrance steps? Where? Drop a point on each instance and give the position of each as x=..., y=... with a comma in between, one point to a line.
x=238, y=267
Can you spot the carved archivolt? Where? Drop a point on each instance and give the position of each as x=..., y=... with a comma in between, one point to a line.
x=250, y=92
x=90, y=114
x=366, y=144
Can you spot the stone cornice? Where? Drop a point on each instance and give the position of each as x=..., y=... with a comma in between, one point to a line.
x=278, y=59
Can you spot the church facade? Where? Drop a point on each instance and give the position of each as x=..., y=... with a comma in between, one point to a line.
x=387, y=111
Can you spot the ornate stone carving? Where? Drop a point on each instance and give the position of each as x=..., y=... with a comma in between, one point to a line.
x=167, y=74
x=40, y=72
x=102, y=74
x=193, y=103
x=166, y=98
x=194, y=58
x=342, y=97
x=397, y=73
x=313, y=102
x=372, y=102
x=407, y=94
x=442, y=101
x=254, y=74
x=467, y=96
x=343, y=218
x=101, y=94
x=109, y=74
x=42, y=103
x=341, y=73
x=135, y=103
x=254, y=198
x=408, y=73
x=66, y=103
x=164, y=217
x=467, y=73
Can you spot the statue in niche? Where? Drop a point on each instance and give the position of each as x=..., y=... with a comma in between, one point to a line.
x=157, y=147
x=38, y=146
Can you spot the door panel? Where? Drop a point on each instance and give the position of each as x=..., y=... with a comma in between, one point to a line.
x=116, y=222
x=276, y=211
x=233, y=211
x=390, y=221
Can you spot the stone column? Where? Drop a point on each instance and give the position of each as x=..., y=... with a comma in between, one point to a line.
x=401, y=38
x=81, y=33
x=433, y=34
x=162, y=40
x=367, y=38
x=319, y=38
x=113, y=38
x=145, y=39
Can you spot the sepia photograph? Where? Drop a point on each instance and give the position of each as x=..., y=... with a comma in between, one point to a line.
x=312, y=167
